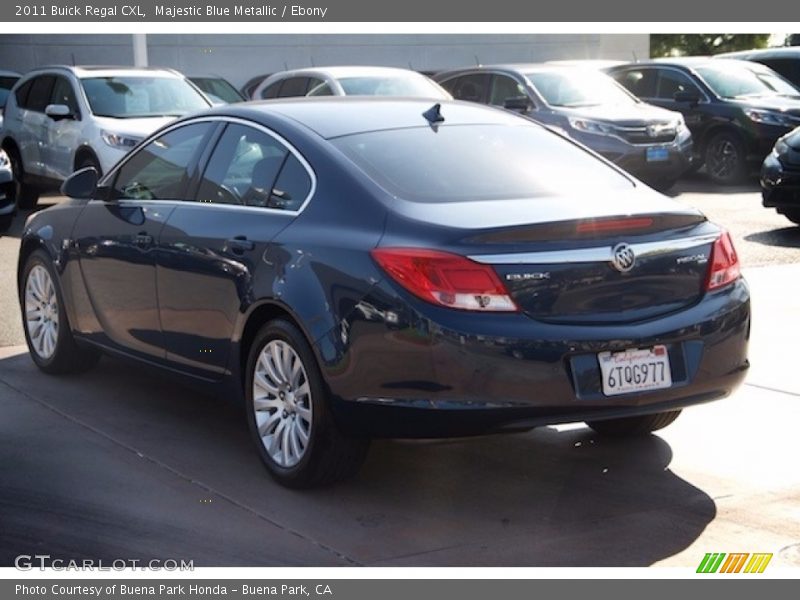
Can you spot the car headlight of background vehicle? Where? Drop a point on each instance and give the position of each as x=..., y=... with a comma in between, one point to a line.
x=4, y=162
x=768, y=117
x=589, y=126
x=118, y=140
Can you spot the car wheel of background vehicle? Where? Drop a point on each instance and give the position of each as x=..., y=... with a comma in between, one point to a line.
x=725, y=159
x=44, y=321
x=630, y=426
x=26, y=195
x=288, y=413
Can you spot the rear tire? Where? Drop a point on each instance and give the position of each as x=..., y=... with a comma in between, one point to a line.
x=44, y=321
x=631, y=426
x=725, y=159
x=288, y=412
x=26, y=195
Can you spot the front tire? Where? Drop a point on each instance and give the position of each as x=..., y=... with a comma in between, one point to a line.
x=725, y=159
x=26, y=195
x=632, y=426
x=288, y=412
x=44, y=320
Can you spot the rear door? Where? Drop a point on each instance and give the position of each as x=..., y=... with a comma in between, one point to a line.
x=211, y=248
x=33, y=138
x=116, y=239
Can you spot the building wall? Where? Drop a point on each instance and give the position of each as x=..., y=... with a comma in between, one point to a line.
x=239, y=57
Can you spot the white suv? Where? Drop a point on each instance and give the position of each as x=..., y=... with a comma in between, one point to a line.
x=59, y=119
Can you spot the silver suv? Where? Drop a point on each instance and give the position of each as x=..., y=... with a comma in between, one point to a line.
x=59, y=119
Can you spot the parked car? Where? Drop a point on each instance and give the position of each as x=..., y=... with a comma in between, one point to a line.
x=734, y=115
x=348, y=81
x=218, y=90
x=588, y=106
x=7, y=193
x=356, y=268
x=7, y=81
x=58, y=119
x=785, y=61
x=248, y=88
x=780, y=177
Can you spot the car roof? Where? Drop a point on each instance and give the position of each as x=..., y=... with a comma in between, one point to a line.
x=108, y=71
x=6, y=73
x=347, y=71
x=521, y=68
x=687, y=62
x=335, y=116
x=790, y=51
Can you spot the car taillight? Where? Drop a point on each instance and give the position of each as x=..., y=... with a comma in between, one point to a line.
x=724, y=267
x=445, y=279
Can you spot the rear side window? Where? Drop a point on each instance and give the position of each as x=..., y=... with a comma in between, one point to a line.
x=292, y=186
x=293, y=87
x=39, y=95
x=159, y=170
x=639, y=82
x=270, y=91
x=243, y=168
x=478, y=163
x=6, y=83
x=472, y=88
x=22, y=93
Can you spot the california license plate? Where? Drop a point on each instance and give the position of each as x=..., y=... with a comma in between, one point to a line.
x=635, y=370
x=657, y=154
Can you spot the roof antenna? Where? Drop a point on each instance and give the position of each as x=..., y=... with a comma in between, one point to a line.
x=285, y=66
x=312, y=62
x=477, y=62
x=635, y=58
x=73, y=58
x=434, y=116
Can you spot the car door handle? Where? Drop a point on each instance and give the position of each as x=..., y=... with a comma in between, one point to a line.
x=143, y=240
x=239, y=244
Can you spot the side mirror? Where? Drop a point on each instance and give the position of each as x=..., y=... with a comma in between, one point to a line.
x=57, y=112
x=520, y=104
x=688, y=97
x=82, y=184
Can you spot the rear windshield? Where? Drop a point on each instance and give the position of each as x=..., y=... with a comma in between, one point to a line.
x=478, y=162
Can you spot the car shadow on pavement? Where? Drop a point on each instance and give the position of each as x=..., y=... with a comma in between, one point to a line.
x=700, y=183
x=119, y=462
x=787, y=237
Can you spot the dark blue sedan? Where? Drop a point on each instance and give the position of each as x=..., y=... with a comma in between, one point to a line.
x=358, y=268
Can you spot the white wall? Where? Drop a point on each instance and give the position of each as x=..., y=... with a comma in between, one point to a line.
x=239, y=57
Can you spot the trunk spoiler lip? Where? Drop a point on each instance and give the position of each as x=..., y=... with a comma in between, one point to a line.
x=595, y=254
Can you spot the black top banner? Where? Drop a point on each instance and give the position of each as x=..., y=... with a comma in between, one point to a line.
x=711, y=11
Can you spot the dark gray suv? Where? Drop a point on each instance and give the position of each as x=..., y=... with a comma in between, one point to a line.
x=650, y=142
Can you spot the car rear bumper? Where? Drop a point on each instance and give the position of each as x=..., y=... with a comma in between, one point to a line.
x=437, y=373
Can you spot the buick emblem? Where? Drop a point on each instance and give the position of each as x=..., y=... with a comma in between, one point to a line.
x=623, y=258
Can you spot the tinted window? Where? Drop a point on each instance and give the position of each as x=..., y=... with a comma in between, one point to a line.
x=504, y=87
x=243, y=168
x=130, y=97
x=39, y=96
x=321, y=89
x=6, y=83
x=22, y=94
x=639, y=82
x=294, y=86
x=218, y=88
x=271, y=91
x=292, y=187
x=478, y=162
x=671, y=82
x=64, y=94
x=158, y=171
x=471, y=87
x=787, y=67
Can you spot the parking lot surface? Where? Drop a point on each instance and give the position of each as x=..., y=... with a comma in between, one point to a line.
x=122, y=463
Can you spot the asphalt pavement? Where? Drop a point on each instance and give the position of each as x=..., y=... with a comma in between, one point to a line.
x=122, y=463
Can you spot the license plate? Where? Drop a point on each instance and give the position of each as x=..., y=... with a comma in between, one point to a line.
x=635, y=370
x=657, y=154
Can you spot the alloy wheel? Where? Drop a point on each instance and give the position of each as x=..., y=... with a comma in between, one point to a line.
x=41, y=312
x=282, y=403
x=723, y=159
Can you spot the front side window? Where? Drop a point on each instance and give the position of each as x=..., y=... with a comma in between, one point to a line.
x=503, y=88
x=158, y=171
x=135, y=97
x=460, y=163
x=672, y=82
x=64, y=94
